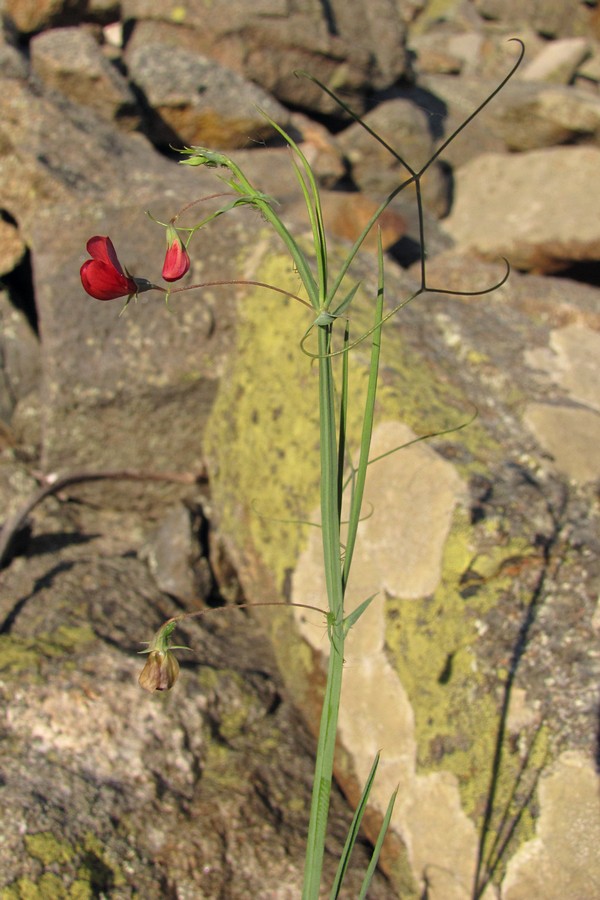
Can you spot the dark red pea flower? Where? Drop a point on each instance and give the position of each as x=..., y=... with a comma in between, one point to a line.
x=103, y=277
x=177, y=260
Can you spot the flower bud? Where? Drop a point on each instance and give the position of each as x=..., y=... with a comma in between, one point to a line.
x=160, y=672
x=177, y=260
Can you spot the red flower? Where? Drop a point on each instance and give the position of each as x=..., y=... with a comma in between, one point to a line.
x=177, y=260
x=103, y=277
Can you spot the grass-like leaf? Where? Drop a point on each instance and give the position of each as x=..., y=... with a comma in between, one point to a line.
x=355, y=615
x=353, y=832
x=377, y=849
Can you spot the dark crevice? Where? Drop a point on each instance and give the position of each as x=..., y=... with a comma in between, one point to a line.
x=329, y=15
x=585, y=272
x=19, y=284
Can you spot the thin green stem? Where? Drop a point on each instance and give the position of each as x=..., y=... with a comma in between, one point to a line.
x=330, y=515
x=271, y=216
x=330, y=522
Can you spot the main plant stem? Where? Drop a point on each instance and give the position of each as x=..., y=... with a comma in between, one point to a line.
x=330, y=529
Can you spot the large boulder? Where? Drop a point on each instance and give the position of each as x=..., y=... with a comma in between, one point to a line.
x=503, y=207
x=473, y=630
x=194, y=100
x=70, y=60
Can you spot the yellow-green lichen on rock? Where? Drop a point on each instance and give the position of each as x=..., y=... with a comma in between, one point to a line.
x=96, y=873
x=262, y=444
x=24, y=654
x=46, y=847
x=48, y=887
x=263, y=431
x=457, y=703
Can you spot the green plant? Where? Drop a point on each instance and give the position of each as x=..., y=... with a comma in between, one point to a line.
x=329, y=300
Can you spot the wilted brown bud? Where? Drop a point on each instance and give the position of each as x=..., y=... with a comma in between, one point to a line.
x=160, y=672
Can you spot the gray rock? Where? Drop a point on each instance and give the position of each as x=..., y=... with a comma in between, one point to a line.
x=558, y=61
x=100, y=780
x=545, y=863
x=551, y=18
x=529, y=115
x=19, y=358
x=348, y=46
x=525, y=116
x=70, y=60
x=447, y=101
x=194, y=100
x=56, y=152
x=435, y=54
x=173, y=556
x=503, y=207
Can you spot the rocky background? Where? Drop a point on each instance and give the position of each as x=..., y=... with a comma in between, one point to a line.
x=476, y=671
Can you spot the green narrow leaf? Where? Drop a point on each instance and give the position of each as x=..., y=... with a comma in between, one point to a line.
x=377, y=849
x=353, y=831
x=367, y=428
x=355, y=615
x=313, y=205
x=346, y=301
x=343, y=420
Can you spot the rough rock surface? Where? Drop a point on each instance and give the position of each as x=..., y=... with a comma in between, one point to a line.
x=502, y=208
x=70, y=61
x=346, y=45
x=400, y=124
x=195, y=101
x=109, y=791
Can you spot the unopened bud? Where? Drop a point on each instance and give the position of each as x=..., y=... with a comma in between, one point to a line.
x=162, y=669
x=160, y=672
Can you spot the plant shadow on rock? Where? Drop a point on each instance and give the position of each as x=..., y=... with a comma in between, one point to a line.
x=499, y=824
